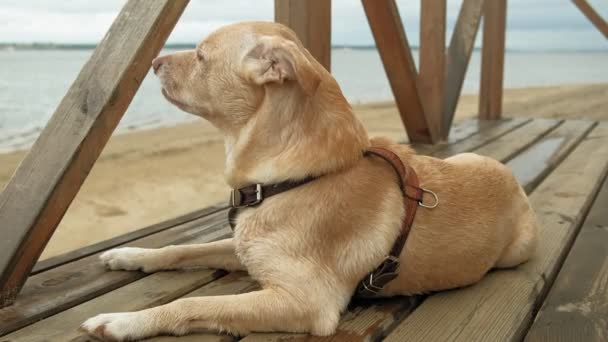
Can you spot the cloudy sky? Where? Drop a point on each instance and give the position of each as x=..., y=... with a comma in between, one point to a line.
x=532, y=24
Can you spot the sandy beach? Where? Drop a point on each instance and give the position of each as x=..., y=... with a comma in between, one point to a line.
x=147, y=176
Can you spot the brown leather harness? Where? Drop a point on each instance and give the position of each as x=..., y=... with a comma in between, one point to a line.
x=375, y=281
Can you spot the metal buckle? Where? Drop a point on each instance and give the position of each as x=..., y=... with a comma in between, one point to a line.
x=380, y=272
x=421, y=203
x=236, y=197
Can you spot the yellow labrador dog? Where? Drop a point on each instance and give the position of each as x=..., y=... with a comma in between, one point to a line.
x=284, y=117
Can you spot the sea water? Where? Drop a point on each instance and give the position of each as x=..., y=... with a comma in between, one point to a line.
x=33, y=82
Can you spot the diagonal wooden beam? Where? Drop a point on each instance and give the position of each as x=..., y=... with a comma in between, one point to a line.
x=432, y=60
x=44, y=185
x=492, y=59
x=396, y=56
x=593, y=16
x=459, y=54
x=311, y=20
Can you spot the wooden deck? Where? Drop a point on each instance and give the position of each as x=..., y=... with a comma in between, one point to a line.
x=560, y=294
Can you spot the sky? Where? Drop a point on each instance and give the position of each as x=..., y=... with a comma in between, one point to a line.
x=532, y=24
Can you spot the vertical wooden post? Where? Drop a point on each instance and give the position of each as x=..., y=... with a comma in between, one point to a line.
x=311, y=20
x=492, y=59
x=46, y=182
x=458, y=56
x=432, y=61
x=396, y=56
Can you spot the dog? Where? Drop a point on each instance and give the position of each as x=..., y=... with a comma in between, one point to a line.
x=283, y=117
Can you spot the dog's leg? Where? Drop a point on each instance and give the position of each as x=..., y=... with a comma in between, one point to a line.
x=266, y=310
x=218, y=254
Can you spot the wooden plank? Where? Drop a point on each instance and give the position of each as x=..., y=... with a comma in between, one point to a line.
x=394, y=49
x=375, y=322
x=532, y=165
x=45, y=183
x=508, y=145
x=311, y=20
x=576, y=308
x=492, y=59
x=432, y=60
x=80, y=253
x=593, y=16
x=490, y=132
x=156, y=289
x=500, y=307
x=459, y=53
x=66, y=286
x=460, y=132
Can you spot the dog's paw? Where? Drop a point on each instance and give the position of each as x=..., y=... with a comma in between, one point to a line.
x=132, y=259
x=126, y=326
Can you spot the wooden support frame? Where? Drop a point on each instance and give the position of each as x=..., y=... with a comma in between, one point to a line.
x=432, y=60
x=394, y=49
x=46, y=182
x=492, y=59
x=593, y=16
x=311, y=20
x=459, y=54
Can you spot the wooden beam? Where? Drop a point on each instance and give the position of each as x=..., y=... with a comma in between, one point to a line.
x=593, y=16
x=396, y=56
x=459, y=53
x=432, y=60
x=44, y=185
x=492, y=59
x=311, y=20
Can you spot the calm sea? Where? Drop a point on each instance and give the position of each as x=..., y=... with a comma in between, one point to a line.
x=32, y=83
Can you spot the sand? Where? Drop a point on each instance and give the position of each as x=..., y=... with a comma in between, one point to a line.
x=144, y=177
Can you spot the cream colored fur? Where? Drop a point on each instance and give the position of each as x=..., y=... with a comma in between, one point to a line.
x=284, y=117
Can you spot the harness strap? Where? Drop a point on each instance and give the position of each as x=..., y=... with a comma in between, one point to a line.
x=373, y=283
x=254, y=194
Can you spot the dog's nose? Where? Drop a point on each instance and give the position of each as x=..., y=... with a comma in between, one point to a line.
x=157, y=62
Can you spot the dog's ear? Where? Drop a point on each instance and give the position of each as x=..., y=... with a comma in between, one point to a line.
x=277, y=60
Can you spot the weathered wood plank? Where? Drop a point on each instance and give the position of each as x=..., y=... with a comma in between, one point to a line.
x=500, y=307
x=156, y=289
x=459, y=53
x=63, y=287
x=593, y=16
x=460, y=132
x=532, y=165
x=490, y=132
x=394, y=49
x=45, y=183
x=576, y=308
x=311, y=20
x=432, y=61
x=492, y=59
x=508, y=145
x=80, y=253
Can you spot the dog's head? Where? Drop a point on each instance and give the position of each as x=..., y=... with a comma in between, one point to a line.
x=228, y=75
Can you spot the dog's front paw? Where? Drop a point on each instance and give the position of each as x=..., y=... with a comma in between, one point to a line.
x=126, y=326
x=132, y=259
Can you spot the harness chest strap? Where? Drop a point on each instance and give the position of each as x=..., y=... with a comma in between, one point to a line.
x=413, y=197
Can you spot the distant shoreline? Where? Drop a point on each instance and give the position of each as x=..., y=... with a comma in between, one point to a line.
x=59, y=46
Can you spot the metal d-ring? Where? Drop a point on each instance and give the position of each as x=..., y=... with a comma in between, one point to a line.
x=421, y=203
